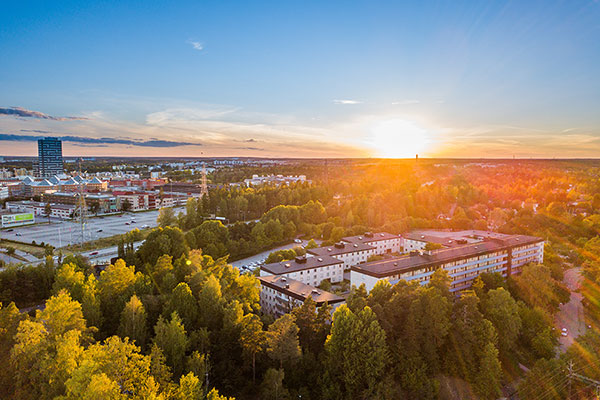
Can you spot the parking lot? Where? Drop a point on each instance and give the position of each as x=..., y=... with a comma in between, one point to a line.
x=64, y=233
x=254, y=261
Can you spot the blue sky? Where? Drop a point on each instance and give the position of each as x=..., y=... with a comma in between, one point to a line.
x=287, y=78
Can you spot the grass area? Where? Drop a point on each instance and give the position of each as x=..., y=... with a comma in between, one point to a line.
x=36, y=251
x=102, y=242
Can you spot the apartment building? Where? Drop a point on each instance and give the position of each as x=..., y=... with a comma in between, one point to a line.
x=348, y=253
x=308, y=270
x=280, y=295
x=469, y=254
x=383, y=242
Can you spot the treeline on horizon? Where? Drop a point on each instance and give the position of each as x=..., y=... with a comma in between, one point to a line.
x=174, y=313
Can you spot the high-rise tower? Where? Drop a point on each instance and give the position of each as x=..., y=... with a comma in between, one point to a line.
x=50, y=161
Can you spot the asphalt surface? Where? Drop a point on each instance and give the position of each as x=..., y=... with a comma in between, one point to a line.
x=571, y=315
x=63, y=233
x=257, y=258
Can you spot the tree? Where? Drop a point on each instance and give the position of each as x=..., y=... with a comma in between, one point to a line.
x=172, y=340
x=311, y=244
x=544, y=380
x=252, y=338
x=10, y=317
x=61, y=315
x=183, y=302
x=95, y=208
x=503, y=312
x=210, y=304
x=48, y=211
x=125, y=205
x=282, y=340
x=190, y=388
x=116, y=286
x=161, y=241
x=356, y=354
x=133, y=322
x=123, y=367
x=272, y=385
x=470, y=349
x=166, y=217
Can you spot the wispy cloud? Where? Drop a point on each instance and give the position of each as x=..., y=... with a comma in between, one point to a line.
x=100, y=141
x=346, y=101
x=196, y=45
x=406, y=102
x=22, y=112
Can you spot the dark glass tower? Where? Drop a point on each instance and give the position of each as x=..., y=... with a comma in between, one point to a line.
x=50, y=161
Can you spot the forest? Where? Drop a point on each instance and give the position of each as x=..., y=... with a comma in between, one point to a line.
x=173, y=320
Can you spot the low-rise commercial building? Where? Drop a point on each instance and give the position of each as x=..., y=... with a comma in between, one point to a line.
x=280, y=295
x=308, y=270
x=469, y=254
x=62, y=211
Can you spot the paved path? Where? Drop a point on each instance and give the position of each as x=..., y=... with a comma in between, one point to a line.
x=571, y=314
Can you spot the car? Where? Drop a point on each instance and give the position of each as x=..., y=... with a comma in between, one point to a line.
x=145, y=226
x=564, y=334
x=297, y=241
x=99, y=230
x=18, y=234
x=133, y=221
x=93, y=253
x=126, y=223
x=564, y=329
x=9, y=230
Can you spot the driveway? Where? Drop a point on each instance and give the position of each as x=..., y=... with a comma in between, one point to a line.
x=571, y=315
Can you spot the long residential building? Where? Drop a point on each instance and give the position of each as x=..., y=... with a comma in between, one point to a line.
x=464, y=254
x=348, y=253
x=308, y=270
x=383, y=242
x=280, y=295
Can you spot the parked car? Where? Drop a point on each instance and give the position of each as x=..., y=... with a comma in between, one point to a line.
x=145, y=226
x=297, y=241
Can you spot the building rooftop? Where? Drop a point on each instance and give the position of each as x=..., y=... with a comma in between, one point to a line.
x=299, y=290
x=417, y=260
x=339, y=248
x=369, y=237
x=300, y=264
x=455, y=238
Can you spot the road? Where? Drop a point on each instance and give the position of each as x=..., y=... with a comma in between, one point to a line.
x=571, y=315
x=104, y=255
x=257, y=258
x=63, y=233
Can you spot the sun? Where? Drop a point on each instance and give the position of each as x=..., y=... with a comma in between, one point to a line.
x=399, y=138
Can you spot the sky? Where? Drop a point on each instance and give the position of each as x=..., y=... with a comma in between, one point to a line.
x=302, y=78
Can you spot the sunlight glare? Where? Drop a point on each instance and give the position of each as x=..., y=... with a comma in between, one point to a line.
x=398, y=138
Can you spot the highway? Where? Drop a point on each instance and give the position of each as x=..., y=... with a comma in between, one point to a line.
x=63, y=233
